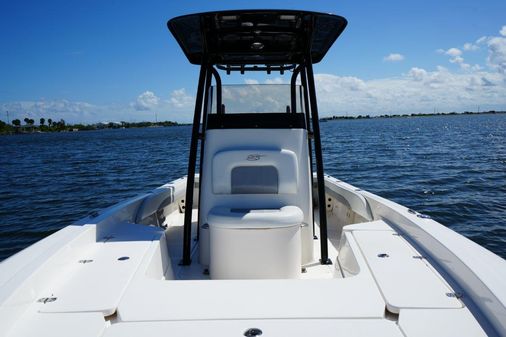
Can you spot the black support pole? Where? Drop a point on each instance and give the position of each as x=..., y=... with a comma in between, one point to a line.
x=303, y=80
x=319, y=163
x=203, y=137
x=293, y=89
x=217, y=78
x=192, y=161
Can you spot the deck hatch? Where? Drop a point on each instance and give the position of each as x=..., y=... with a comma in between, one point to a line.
x=404, y=281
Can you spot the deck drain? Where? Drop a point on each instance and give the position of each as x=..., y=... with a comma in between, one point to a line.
x=252, y=332
x=383, y=255
x=85, y=261
x=46, y=299
x=123, y=258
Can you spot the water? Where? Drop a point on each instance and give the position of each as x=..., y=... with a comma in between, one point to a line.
x=452, y=168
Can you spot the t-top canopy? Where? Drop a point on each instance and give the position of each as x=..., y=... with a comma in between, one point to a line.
x=270, y=37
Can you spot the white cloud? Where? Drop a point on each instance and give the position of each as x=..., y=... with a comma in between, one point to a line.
x=455, y=55
x=457, y=59
x=417, y=74
x=481, y=40
x=146, y=101
x=328, y=83
x=55, y=109
x=470, y=46
x=497, y=53
x=180, y=99
x=454, y=52
x=250, y=81
x=503, y=31
x=419, y=90
x=275, y=80
x=394, y=57
x=496, y=58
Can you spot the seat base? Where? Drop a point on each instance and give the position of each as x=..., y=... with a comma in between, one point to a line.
x=255, y=244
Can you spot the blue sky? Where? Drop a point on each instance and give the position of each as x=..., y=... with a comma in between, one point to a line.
x=88, y=61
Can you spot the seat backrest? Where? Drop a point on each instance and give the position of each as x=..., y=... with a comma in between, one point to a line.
x=255, y=171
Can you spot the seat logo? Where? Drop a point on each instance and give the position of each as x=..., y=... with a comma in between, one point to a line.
x=254, y=157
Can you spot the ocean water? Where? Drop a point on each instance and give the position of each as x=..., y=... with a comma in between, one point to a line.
x=452, y=168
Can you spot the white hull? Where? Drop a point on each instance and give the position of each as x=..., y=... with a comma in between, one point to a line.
x=434, y=282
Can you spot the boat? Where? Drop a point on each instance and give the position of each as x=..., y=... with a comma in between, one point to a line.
x=256, y=240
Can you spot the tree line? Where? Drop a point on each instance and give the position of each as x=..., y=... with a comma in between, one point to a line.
x=17, y=125
x=29, y=122
x=27, y=125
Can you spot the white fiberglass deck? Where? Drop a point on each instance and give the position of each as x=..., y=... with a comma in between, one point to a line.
x=141, y=304
x=377, y=285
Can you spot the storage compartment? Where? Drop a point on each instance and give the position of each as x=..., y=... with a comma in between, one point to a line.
x=403, y=276
x=255, y=243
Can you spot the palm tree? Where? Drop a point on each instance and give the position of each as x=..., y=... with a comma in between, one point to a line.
x=49, y=122
x=42, y=121
x=26, y=120
x=16, y=122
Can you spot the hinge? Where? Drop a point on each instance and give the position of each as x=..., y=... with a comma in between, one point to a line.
x=181, y=205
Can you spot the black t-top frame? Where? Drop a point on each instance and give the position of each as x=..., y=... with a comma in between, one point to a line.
x=255, y=40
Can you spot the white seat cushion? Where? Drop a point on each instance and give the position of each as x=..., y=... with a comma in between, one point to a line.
x=224, y=217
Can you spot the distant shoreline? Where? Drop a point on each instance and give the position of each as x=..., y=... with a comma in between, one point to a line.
x=30, y=128
x=61, y=126
x=465, y=113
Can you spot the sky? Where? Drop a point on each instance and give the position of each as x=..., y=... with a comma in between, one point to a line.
x=110, y=60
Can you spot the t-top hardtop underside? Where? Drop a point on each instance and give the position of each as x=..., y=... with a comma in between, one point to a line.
x=268, y=37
